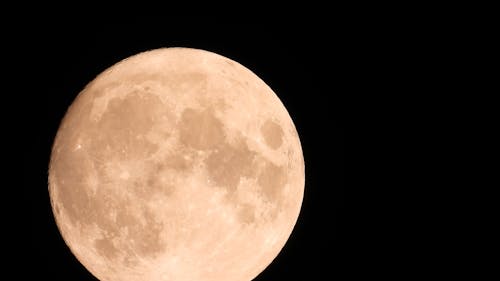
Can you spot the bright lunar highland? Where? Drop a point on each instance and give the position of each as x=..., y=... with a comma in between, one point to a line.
x=176, y=164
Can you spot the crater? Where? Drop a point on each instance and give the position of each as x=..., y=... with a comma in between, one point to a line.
x=227, y=164
x=272, y=133
x=200, y=129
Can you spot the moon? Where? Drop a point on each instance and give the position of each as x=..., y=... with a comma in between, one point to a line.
x=176, y=164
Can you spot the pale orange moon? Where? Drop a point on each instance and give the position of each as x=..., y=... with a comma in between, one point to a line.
x=176, y=164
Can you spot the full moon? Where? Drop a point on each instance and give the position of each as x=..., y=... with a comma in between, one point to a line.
x=176, y=164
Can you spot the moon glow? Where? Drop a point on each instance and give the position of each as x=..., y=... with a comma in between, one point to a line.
x=176, y=164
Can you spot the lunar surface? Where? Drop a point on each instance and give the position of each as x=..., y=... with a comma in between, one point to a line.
x=176, y=164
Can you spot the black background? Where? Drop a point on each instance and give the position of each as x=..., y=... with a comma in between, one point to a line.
x=310, y=67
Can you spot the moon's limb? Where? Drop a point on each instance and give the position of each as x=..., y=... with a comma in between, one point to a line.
x=176, y=164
